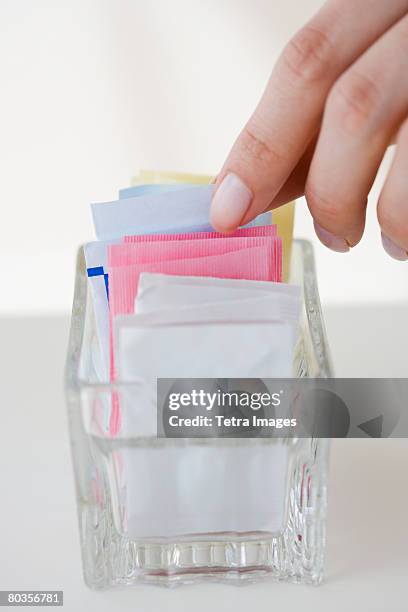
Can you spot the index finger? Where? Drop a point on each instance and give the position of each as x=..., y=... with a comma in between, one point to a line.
x=288, y=114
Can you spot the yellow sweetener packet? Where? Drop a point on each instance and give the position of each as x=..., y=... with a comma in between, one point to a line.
x=284, y=217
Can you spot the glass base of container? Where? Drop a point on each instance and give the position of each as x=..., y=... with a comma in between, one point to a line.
x=236, y=561
x=295, y=553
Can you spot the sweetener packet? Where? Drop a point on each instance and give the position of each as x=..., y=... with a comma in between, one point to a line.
x=242, y=232
x=178, y=210
x=96, y=252
x=146, y=349
x=147, y=252
x=282, y=308
x=157, y=292
x=202, y=490
x=97, y=271
x=252, y=264
x=161, y=212
x=155, y=177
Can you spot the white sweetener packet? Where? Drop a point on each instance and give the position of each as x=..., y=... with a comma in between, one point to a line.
x=184, y=208
x=271, y=309
x=212, y=349
x=200, y=490
x=154, y=213
x=166, y=292
x=241, y=338
x=238, y=349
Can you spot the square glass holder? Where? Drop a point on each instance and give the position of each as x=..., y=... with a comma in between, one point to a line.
x=135, y=518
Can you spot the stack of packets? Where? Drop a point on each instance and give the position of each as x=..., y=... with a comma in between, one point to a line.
x=175, y=299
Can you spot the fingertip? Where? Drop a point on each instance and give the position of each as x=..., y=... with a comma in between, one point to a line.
x=230, y=203
x=332, y=242
x=392, y=249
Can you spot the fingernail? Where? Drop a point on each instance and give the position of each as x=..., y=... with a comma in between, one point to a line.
x=393, y=249
x=335, y=243
x=230, y=203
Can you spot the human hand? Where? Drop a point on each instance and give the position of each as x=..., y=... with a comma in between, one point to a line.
x=336, y=99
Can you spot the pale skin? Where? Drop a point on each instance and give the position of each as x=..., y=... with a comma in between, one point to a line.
x=336, y=99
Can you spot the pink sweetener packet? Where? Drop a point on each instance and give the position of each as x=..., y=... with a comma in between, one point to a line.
x=251, y=264
x=126, y=254
x=259, y=231
x=257, y=260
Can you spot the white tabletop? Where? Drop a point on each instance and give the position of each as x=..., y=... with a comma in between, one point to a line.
x=367, y=548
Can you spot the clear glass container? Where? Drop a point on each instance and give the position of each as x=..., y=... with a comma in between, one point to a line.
x=156, y=511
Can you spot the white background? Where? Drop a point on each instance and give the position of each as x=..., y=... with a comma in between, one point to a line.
x=92, y=90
